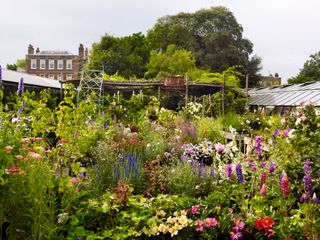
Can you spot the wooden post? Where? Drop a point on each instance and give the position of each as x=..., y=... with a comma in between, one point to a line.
x=187, y=89
x=159, y=89
x=223, y=93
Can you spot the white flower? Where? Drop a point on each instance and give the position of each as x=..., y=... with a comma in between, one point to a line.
x=298, y=121
x=290, y=133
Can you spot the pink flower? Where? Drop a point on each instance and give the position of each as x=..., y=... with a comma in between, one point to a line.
x=73, y=180
x=220, y=148
x=36, y=156
x=263, y=190
x=194, y=209
x=8, y=149
x=199, y=225
x=211, y=222
x=303, y=118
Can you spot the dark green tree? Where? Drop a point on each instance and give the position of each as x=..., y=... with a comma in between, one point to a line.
x=213, y=35
x=126, y=56
x=12, y=67
x=310, y=71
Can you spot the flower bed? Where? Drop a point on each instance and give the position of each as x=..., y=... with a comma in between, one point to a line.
x=132, y=170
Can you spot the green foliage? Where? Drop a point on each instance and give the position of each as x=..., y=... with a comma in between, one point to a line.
x=127, y=56
x=310, y=71
x=12, y=67
x=21, y=63
x=172, y=61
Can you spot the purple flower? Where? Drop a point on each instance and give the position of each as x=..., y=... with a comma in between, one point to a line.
x=20, y=87
x=285, y=133
x=307, y=179
x=228, y=170
x=272, y=168
x=167, y=155
x=307, y=167
x=253, y=167
x=239, y=173
x=258, y=139
x=263, y=164
x=211, y=173
x=304, y=198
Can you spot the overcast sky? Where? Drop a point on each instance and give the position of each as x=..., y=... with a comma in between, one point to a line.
x=284, y=32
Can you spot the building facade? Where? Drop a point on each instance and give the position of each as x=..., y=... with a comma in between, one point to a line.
x=59, y=65
x=270, y=81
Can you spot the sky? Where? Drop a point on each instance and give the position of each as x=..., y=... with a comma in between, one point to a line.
x=284, y=33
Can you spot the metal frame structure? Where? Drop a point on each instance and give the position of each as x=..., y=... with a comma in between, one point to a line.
x=91, y=81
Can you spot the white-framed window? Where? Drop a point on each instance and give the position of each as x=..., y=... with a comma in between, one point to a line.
x=51, y=64
x=33, y=63
x=60, y=64
x=69, y=64
x=69, y=76
x=42, y=75
x=59, y=77
x=42, y=64
x=51, y=76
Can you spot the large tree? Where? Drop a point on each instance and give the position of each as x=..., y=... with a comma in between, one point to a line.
x=213, y=35
x=310, y=71
x=126, y=56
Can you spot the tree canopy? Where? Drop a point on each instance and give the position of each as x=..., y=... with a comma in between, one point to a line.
x=310, y=71
x=127, y=55
x=213, y=35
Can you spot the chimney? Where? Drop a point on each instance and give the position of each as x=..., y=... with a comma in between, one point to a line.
x=86, y=54
x=81, y=53
x=30, y=49
x=37, y=50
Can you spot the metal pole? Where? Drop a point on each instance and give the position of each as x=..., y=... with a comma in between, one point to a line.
x=247, y=86
x=223, y=93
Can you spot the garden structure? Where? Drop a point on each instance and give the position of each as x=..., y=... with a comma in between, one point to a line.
x=131, y=169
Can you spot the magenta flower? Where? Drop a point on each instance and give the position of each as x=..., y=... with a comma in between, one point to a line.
x=284, y=185
x=228, y=170
x=235, y=235
x=194, y=209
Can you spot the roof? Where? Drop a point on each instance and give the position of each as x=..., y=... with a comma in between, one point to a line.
x=28, y=79
x=286, y=95
x=54, y=53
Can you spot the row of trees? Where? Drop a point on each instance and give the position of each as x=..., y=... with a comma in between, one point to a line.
x=208, y=40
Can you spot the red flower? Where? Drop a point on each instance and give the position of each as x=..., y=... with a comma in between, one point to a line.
x=264, y=223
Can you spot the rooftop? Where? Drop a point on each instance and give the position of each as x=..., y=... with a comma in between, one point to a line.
x=286, y=95
x=54, y=53
x=14, y=77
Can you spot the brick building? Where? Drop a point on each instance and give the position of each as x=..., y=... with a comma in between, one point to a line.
x=59, y=65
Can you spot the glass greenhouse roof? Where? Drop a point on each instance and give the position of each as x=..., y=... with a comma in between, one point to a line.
x=286, y=95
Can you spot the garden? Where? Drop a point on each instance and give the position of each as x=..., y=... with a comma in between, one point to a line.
x=132, y=169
